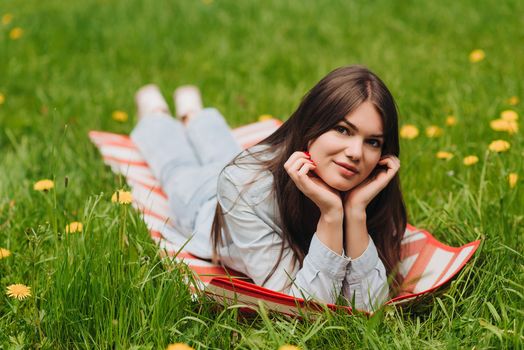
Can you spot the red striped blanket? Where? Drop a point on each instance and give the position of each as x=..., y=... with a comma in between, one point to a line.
x=426, y=263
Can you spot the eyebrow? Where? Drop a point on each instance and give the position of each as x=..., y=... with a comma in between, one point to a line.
x=354, y=127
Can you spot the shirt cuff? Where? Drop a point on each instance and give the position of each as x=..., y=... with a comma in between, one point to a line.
x=324, y=259
x=361, y=267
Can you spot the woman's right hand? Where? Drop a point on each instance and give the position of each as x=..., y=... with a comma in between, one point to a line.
x=299, y=166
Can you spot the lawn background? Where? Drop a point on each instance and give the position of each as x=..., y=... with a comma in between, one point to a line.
x=79, y=61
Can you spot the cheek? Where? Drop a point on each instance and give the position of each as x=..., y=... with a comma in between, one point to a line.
x=325, y=143
x=373, y=163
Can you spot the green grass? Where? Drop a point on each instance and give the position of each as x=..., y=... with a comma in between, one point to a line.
x=78, y=61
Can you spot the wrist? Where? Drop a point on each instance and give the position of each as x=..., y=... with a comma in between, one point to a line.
x=330, y=230
x=355, y=212
x=334, y=215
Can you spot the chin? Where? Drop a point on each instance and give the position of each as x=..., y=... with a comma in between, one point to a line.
x=344, y=188
x=340, y=185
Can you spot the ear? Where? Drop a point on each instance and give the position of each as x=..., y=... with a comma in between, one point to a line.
x=309, y=144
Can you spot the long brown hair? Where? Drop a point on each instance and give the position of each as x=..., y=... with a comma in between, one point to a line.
x=339, y=93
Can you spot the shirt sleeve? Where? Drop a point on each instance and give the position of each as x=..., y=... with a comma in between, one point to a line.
x=366, y=280
x=255, y=250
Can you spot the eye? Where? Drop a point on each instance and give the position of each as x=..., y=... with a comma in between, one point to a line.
x=375, y=143
x=340, y=127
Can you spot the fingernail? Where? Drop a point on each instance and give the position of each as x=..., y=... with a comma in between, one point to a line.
x=307, y=154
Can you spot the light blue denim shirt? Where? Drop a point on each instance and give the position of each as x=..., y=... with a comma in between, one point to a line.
x=252, y=243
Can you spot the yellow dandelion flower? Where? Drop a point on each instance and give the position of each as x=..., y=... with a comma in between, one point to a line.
x=498, y=124
x=444, y=155
x=18, y=291
x=409, y=131
x=499, y=146
x=509, y=115
x=513, y=127
x=265, y=117
x=288, y=347
x=433, y=131
x=122, y=197
x=120, y=116
x=451, y=120
x=510, y=126
x=74, y=226
x=513, y=101
x=477, y=56
x=179, y=346
x=7, y=18
x=2, y=98
x=4, y=253
x=470, y=160
x=512, y=179
x=16, y=33
x=43, y=185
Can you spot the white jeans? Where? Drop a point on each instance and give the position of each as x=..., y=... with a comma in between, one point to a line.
x=186, y=159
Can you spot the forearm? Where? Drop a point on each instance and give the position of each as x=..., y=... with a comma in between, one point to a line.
x=330, y=230
x=355, y=232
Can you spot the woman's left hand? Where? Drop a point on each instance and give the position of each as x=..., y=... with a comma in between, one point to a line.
x=359, y=197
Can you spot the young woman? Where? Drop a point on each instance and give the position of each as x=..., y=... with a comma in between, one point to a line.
x=314, y=210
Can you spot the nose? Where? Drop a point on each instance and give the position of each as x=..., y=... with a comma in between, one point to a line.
x=354, y=149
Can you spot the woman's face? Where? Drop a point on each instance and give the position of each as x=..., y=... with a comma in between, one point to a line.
x=357, y=144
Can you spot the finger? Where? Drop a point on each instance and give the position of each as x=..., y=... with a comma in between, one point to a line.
x=308, y=181
x=386, y=162
x=294, y=157
x=295, y=167
x=390, y=162
x=389, y=156
x=299, y=174
x=293, y=171
x=395, y=159
x=306, y=168
x=393, y=167
x=301, y=179
x=387, y=173
x=396, y=162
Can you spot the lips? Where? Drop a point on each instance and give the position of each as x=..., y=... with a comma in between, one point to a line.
x=348, y=167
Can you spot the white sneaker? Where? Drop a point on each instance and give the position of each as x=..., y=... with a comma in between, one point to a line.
x=188, y=101
x=149, y=100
